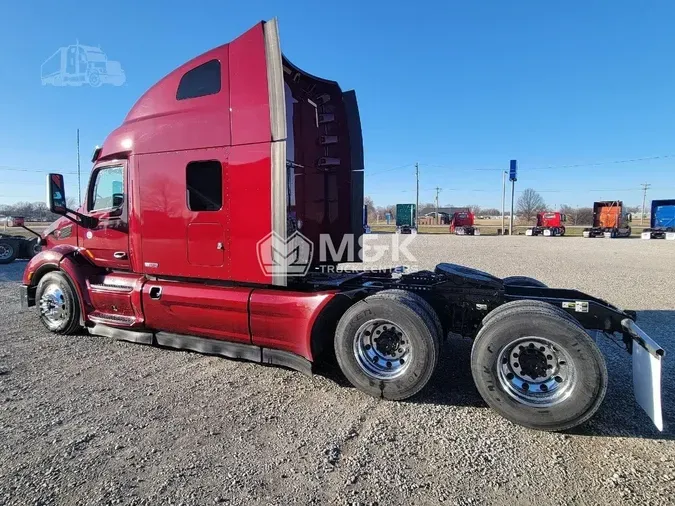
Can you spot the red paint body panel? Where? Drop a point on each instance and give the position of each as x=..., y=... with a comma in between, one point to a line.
x=165, y=217
x=461, y=219
x=249, y=96
x=248, y=195
x=196, y=309
x=550, y=220
x=284, y=320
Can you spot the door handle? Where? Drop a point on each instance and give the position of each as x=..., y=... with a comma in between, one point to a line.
x=120, y=255
x=155, y=292
x=220, y=246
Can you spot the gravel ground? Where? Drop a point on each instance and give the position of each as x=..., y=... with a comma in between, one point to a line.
x=88, y=420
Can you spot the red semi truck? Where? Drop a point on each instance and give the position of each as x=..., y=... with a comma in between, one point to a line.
x=549, y=224
x=163, y=252
x=462, y=223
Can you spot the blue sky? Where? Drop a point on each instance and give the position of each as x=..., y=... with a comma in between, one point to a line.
x=460, y=87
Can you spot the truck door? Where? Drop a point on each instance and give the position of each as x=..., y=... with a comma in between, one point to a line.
x=107, y=200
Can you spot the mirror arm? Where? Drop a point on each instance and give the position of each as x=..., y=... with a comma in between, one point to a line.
x=82, y=219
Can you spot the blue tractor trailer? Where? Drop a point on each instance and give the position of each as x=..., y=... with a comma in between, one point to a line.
x=662, y=222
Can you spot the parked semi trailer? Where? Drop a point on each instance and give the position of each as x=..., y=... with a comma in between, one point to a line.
x=162, y=253
x=462, y=223
x=406, y=219
x=14, y=246
x=548, y=224
x=610, y=219
x=662, y=221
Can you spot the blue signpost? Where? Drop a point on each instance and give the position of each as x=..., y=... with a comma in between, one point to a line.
x=513, y=177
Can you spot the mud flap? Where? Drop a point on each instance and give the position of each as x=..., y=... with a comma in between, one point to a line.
x=647, y=357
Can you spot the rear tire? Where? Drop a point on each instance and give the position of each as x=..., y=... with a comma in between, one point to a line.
x=8, y=251
x=565, y=372
x=387, y=346
x=58, y=304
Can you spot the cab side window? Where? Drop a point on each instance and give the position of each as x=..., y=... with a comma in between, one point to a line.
x=108, y=189
x=200, y=81
x=204, y=182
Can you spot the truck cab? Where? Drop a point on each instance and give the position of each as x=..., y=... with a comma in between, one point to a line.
x=462, y=223
x=610, y=220
x=549, y=224
x=662, y=220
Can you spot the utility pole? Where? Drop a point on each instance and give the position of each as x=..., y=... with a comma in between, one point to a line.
x=645, y=187
x=503, y=199
x=417, y=199
x=438, y=219
x=79, y=185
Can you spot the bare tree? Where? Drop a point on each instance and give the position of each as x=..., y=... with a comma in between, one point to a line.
x=529, y=204
x=475, y=209
x=577, y=215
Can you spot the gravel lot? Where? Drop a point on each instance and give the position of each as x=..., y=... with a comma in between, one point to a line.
x=89, y=420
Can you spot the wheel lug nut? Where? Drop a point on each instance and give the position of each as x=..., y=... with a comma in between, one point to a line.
x=526, y=386
x=389, y=365
x=543, y=388
x=558, y=379
x=367, y=346
x=549, y=357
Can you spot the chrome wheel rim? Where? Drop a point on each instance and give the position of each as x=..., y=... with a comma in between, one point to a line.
x=6, y=251
x=535, y=371
x=382, y=350
x=54, y=306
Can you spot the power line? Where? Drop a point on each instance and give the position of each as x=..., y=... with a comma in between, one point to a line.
x=553, y=167
x=25, y=169
x=389, y=170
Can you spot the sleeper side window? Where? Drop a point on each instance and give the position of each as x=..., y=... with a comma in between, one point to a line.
x=107, y=191
x=200, y=81
x=204, y=181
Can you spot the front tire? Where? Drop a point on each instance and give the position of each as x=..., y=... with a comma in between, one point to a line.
x=58, y=304
x=387, y=346
x=538, y=369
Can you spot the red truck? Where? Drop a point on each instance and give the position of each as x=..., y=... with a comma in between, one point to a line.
x=462, y=223
x=164, y=252
x=549, y=224
x=610, y=219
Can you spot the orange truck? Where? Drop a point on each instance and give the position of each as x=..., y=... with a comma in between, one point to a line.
x=610, y=219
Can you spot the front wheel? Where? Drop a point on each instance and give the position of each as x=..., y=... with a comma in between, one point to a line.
x=387, y=346
x=538, y=369
x=58, y=304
